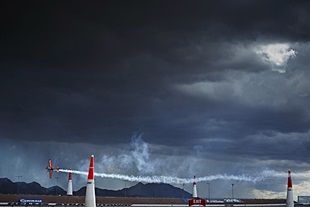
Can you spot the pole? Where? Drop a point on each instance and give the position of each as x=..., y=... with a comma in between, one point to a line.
x=125, y=189
x=57, y=185
x=209, y=196
x=232, y=191
x=18, y=176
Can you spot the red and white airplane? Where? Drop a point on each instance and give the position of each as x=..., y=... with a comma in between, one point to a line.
x=50, y=168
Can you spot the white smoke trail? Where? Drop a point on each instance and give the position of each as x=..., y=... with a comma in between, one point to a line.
x=272, y=173
x=139, y=156
x=170, y=179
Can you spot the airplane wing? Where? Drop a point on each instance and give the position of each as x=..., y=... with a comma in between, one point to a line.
x=50, y=168
x=50, y=163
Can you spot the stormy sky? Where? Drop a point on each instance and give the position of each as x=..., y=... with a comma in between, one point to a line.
x=158, y=88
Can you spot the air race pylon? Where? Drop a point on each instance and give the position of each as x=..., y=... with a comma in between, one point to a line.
x=289, y=196
x=196, y=201
x=69, y=191
x=90, y=197
x=195, y=188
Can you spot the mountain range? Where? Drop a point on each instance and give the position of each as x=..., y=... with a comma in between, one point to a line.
x=158, y=190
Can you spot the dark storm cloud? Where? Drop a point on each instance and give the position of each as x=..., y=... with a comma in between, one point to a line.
x=190, y=76
x=138, y=54
x=117, y=30
x=124, y=43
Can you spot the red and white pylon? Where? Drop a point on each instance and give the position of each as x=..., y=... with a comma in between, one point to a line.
x=196, y=201
x=289, y=195
x=70, y=190
x=90, y=197
x=195, y=188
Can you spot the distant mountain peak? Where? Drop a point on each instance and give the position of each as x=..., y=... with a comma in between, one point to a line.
x=158, y=190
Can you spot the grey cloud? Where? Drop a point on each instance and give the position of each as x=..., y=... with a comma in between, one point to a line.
x=186, y=75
